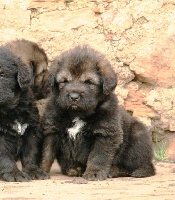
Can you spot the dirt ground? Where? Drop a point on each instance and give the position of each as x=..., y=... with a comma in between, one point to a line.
x=159, y=187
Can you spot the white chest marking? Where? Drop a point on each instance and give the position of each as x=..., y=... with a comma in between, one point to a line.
x=20, y=128
x=78, y=125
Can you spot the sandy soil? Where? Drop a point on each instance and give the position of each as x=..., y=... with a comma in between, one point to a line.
x=159, y=187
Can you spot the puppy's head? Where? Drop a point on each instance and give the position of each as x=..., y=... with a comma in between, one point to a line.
x=14, y=77
x=82, y=78
x=36, y=61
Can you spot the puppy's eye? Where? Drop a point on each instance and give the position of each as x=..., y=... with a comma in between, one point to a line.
x=62, y=83
x=89, y=82
x=2, y=74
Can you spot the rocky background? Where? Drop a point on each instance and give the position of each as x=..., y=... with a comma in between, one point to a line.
x=137, y=36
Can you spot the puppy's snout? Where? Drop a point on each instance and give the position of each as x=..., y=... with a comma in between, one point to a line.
x=74, y=96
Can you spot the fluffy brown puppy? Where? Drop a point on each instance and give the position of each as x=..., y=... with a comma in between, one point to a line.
x=21, y=62
x=85, y=129
x=35, y=60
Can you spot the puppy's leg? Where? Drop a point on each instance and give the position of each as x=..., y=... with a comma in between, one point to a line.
x=100, y=158
x=118, y=172
x=140, y=152
x=74, y=172
x=8, y=168
x=145, y=171
x=31, y=155
x=48, y=152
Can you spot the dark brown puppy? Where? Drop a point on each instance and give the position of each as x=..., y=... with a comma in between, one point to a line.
x=21, y=63
x=85, y=129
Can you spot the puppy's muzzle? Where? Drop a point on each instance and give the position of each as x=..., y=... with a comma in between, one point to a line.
x=74, y=97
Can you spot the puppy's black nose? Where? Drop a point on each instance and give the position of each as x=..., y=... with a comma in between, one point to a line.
x=74, y=96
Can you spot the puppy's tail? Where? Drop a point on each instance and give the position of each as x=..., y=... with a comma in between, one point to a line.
x=35, y=60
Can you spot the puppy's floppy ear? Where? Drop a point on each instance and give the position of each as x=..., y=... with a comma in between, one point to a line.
x=25, y=75
x=52, y=73
x=52, y=79
x=108, y=76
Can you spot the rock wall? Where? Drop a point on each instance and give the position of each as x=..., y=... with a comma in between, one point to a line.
x=137, y=36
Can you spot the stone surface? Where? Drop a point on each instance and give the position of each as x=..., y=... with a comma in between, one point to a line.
x=138, y=37
x=63, y=21
x=158, y=67
x=170, y=151
x=162, y=101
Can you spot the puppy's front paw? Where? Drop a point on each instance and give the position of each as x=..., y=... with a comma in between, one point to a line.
x=74, y=172
x=95, y=175
x=118, y=172
x=145, y=171
x=37, y=174
x=16, y=176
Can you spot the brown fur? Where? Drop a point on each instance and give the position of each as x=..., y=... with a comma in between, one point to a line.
x=109, y=142
x=36, y=62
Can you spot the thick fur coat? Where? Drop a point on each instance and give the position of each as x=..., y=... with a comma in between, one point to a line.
x=85, y=129
x=35, y=61
x=22, y=64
